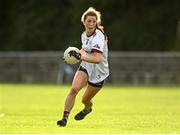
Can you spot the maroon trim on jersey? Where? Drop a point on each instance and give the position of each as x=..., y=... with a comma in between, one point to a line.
x=95, y=50
x=94, y=33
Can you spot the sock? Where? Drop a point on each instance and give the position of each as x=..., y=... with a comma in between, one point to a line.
x=86, y=110
x=66, y=115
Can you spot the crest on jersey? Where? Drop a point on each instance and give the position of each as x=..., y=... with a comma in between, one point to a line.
x=96, y=46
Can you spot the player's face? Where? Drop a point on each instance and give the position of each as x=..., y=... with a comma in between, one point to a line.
x=90, y=24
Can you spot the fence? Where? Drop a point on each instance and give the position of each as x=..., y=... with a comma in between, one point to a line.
x=125, y=68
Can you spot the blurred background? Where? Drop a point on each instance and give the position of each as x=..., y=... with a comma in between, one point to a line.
x=144, y=40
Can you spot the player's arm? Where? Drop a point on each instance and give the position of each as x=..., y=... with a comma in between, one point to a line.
x=96, y=56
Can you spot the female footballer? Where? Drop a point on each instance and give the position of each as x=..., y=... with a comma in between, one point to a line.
x=93, y=69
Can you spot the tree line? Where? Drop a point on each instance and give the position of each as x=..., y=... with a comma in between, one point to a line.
x=143, y=25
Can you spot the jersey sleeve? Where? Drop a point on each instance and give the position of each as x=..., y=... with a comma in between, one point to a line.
x=98, y=43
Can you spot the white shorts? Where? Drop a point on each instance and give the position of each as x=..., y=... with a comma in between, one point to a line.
x=99, y=84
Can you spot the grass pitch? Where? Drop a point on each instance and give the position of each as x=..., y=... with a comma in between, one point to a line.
x=29, y=109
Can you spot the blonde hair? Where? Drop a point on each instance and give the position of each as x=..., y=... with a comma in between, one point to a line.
x=92, y=12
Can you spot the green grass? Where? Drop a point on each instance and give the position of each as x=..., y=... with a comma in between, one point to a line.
x=30, y=109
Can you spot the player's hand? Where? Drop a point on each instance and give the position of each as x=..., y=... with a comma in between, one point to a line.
x=75, y=54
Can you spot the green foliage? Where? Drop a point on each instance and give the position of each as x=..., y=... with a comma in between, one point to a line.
x=55, y=24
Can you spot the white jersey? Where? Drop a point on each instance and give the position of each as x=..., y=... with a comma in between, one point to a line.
x=95, y=42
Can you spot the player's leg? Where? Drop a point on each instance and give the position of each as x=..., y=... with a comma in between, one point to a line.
x=90, y=92
x=79, y=81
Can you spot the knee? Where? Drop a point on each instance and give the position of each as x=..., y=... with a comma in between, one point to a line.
x=74, y=91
